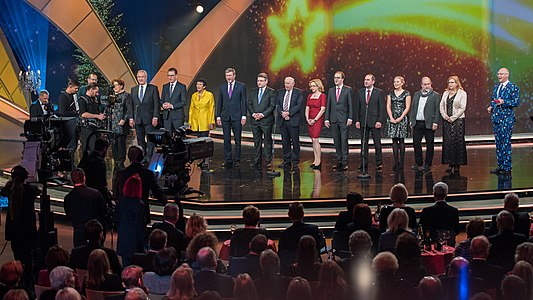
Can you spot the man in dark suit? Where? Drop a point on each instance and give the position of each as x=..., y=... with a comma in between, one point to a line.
x=261, y=106
x=338, y=117
x=68, y=106
x=424, y=118
x=504, y=243
x=83, y=204
x=175, y=237
x=156, y=241
x=492, y=275
x=522, y=222
x=440, y=216
x=271, y=285
x=173, y=101
x=370, y=116
x=346, y=217
x=231, y=115
x=80, y=255
x=145, y=112
x=240, y=239
x=249, y=263
x=41, y=107
x=149, y=182
x=95, y=168
x=209, y=280
x=290, y=101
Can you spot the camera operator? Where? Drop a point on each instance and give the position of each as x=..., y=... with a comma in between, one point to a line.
x=120, y=112
x=96, y=170
x=41, y=107
x=69, y=107
x=91, y=115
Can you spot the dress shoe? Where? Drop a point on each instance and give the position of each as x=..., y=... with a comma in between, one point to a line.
x=379, y=168
x=495, y=171
x=345, y=168
x=236, y=164
x=415, y=167
x=227, y=164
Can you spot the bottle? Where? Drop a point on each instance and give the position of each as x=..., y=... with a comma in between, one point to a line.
x=420, y=237
x=377, y=213
x=427, y=241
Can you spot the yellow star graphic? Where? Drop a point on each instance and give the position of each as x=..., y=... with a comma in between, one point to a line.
x=296, y=35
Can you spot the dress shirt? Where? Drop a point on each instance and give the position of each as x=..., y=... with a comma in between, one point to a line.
x=45, y=112
x=421, y=106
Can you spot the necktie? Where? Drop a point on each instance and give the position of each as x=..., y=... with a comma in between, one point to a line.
x=230, y=92
x=367, y=96
x=260, y=95
x=171, y=88
x=338, y=93
x=286, y=101
x=141, y=93
x=499, y=90
x=76, y=104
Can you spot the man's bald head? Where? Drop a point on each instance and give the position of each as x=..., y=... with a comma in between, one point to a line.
x=480, y=247
x=430, y=287
x=207, y=258
x=503, y=75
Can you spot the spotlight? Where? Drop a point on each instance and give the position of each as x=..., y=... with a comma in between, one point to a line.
x=199, y=8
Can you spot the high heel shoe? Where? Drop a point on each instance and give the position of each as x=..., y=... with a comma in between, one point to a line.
x=311, y=166
x=449, y=170
x=317, y=167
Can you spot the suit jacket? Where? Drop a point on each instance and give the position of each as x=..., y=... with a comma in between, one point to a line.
x=273, y=287
x=96, y=173
x=295, y=107
x=143, y=112
x=377, y=111
x=522, y=223
x=503, y=247
x=459, y=105
x=343, y=219
x=175, y=237
x=267, y=106
x=245, y=264
x=83, y=204
x=339, y=111
x=212, y=281
x=241, y=238
x=510, y=94
x=231, y=108
x=431, y=110
x=492, y=275
x=80, y=255
x=290, y=237
x=36, y=109
x=177, y=99
x=144, y=260
x=440, y=216
x=149, y=183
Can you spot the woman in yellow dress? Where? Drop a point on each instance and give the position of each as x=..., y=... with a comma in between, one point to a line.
x=202, y=114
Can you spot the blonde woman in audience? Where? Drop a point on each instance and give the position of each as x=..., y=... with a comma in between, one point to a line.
x=244, y=288
x=524, y=270
x=99, y=276
x=398, y=195
x=195, y=224
x=181, y=284
x=398, y=223
x=68, y=293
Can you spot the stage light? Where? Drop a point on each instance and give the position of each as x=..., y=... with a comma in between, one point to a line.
x=199, y=8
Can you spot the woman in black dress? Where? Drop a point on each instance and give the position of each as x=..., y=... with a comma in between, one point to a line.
x=398, y=106
x=452, y=109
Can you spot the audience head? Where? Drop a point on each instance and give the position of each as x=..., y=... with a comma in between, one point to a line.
x=269, y=262
x=17, y=294
x=195, y=224
x=458, y=267
x=524, y=251
x=513, y=288
x=352, y=199
x=385, y=263
x=296, y=211
x=207, y=258
x=306, y=252
x=68, y=293
x=505, y=221
x=440, y=191
x=475, y=227
x=181, y=284
x=397, y=219
x=407, y=246
x=209, y=295
x=101, y=145
x=398, y=193
x=61, y=277
x=362, y=216
x=165, y=261
x=360, y=243
x=94, y=231
x=132, y=276
x=251, y=215
x=331, y=274
x=77, y=176
x=157, y=239
x=56, y=256
x=97, y=267
x=171, y=213
x=511, y=202
x=299, y=289
x=258, y=244
x=11, y=273
x=135, y=154
x=524, y=270
x=136, y=294
x=244, y=288
x=206, y=239
x=480, y=247
x=430, y=288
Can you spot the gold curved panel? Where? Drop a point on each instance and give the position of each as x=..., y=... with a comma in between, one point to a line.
x=9, y=86
x=201, y=41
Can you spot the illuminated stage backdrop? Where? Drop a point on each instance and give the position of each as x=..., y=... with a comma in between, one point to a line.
x=437, y=38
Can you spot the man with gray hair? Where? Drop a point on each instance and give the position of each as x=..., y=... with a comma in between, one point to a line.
x=272, y=285
x=430, y=288
x=386, y=285
x=136, y=294
x=41, y=106
x=290, y=101
x=441, y=215
x=175, y=237
x=60, y=277
x=491, y=274
x=522, y=222
x=504, y=243
x=207, y=279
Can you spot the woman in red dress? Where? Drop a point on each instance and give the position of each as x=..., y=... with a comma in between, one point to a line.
x=314, y=114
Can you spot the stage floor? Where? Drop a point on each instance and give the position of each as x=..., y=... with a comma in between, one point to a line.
x=248, y=184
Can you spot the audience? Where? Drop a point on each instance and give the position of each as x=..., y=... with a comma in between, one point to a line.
x=182, y=284
x=409, y=259
x=386, y=284
x=475, y=227
x=209, y=295
x=158, y=281
x=504, y=243
x=60, y=277
x=204, y=239
x=360, y=260
x=522, y=222
x=454, y=282
x=430, y=288
x=244, y=288
x=68, y=293
x=195, y=224
x=398, y=223
x=362, y=220
x=156, y=241
x=207, y=279
x=56, y=256
x=491, y=274
x=513, y=288
x=331, y=283
x=524, y=251
x=250, y=263
x=175, y=237
x=271, y=285
x=524, y=270
x=306, y=264
x=17, y=294
x=299, y=289
x=136, y=294
x=99, y=275
x=132, y=277
x=346, y=217
x=10, y=277
x=241, y=238
x=398, y=195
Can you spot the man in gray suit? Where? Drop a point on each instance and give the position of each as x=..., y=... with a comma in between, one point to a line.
x=261, y=106
x=290, y=101
x=173, y=101
x=338, y=117
x=424, y=118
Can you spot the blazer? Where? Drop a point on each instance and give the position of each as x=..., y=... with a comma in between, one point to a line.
x=459, y=105
x=206, y=280
x=175, y=238
x=80, y=255
x=503, y=247
x=492, y=275
x=290, y=237
x=431, y=110
x=143, y=112
x=177, y=99
x=267, y=106
x=440, y=216
x=510, y=94
x=339, y=111
x=202, y=111
x=66, y=105
x=377, y=110
x=295, y=107
x=231, y=108
x=36, y=109
x=522, y=223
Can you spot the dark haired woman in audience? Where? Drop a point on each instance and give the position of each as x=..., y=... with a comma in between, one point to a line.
x=181, y=284
x=244, y=288
x=56, y=256
x=409, y=259
x=299, y=289
x=331, y=283
x=362, y=216
x=398, y=223
x=205, y=239
x=398, y=195
x=306, y=264
x=524, y=270
x=99, y=276
x=158, y=281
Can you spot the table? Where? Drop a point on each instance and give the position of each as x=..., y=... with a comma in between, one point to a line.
x=224, y=250
x=436, y=262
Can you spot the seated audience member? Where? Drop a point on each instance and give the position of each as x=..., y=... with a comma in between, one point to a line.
x=244, y=288
x=56, y=256
x=513, y=288
x=398, y=223
x=524, y=270
x=409, y=259
x=157, y=241
x=158, y=281
x=430, y=288
x=175, y=237
x=398, y=195
x=17, y=294
x=240, y=240
x=60, y=277
x=250, y=263
x=99, y=276
x=10, y=276
x=346, y=217
x=475, y=227
x=522, y=222
x=362, y=216
x=440, y=216
x=299, y=289
x=491, y=274
x=290, y=237
x=306, y=264
x=80, y=255
x=136, y=294
x=504, y=243
x=205, y=239
x=387, y=285
x=453, y=282
x=182, y=284
x=524, y=251
x=207, y=279
x=331, y=283
x=360, y=260
x=271, y=285
x=68, y=293
x=209, y=295
x=195, y=224
x=132, y=277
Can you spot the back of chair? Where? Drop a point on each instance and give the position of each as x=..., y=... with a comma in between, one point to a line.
x=81, y=275
x=100, y=295
x=39, y=289
x=155, y=296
